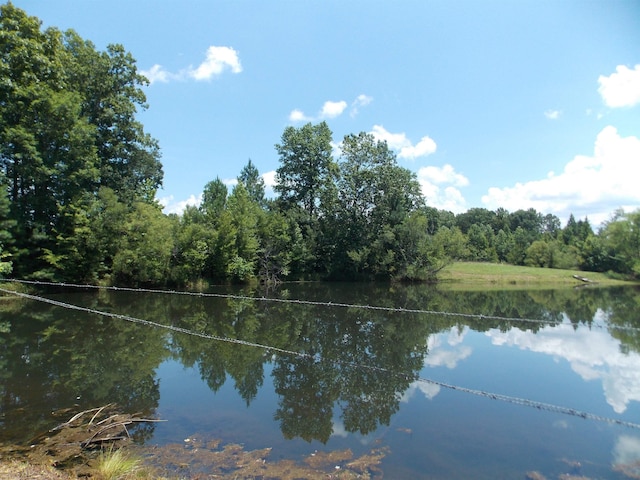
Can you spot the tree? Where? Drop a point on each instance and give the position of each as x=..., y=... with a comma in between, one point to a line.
x=621, y=237
x=475, y=216
x=244, y=215
x=307, y=170
x=110, y=86
x=253, y=183
x=529, y=220
x=214, y=200
x=375, y=196
x=144, y=256
x=6, y=266
x=67, y=129
x=46, y=147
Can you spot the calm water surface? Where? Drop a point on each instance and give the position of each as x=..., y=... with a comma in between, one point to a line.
x=356, y=378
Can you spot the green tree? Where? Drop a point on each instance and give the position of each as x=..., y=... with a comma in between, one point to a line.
x=193, y=241
x=475, y=216
x=145, y=254
x=621, y=237
x=253, y=183
x=504, y=244
x=244, y=214
x=375, y=196
x=307, y=170
x=6, y=266
x=214, y=200
x=110, y=86
x=481, y=242
x=46, y=147
x=67, y=129
x=530, y=221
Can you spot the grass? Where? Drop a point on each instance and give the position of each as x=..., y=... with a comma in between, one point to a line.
x=117, y=465
x=478, y=275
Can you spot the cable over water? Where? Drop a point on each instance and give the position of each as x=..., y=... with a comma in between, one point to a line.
x=474, y=316
x=494, y=396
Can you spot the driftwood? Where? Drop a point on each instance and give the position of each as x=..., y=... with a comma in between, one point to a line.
x=582, y=279
x=69, y=444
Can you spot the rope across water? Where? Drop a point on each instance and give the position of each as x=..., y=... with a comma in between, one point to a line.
x=475, y=316
x=494, y=396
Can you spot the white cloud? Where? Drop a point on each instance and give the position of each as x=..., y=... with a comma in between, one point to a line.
x=446, y=174
x=396, y=141
x=269, y=179
x=429, y=390
x=171, y=206
x=298, y=116
x=592, y=186
x=361, y=100
x=426, y=146
x=333, y=109
x=157, y=74
x=218, y=60
x=440, y=355
x=552, y=114
x=626, y=452
x=622, y=88
x=593, y=355
x=400, y=142
x=440, y=187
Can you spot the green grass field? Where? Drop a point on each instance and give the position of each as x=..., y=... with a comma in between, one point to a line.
x=477, y=275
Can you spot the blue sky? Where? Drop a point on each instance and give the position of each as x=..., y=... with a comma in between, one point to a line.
x=512, y=104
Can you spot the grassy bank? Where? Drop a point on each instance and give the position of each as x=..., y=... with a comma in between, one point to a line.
x=476, y=275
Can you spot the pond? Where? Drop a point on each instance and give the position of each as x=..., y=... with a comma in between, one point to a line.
x=394, y=381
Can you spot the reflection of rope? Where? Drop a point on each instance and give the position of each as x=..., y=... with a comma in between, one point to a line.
x=481, y=393
x=476, y=316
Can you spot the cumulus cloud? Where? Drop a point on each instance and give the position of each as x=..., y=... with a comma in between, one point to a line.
x=170, y=205
x=593, y=355
x=331, y=109
x=440, y=186
x=622, y=88
x=626, y=451
x=298, y=116
x=552, y=114
x=269, y=179
x=157, y=73
x=405, y=148
x=217, y=61
x=360, y=101
x=592, y=186
x=445, y=349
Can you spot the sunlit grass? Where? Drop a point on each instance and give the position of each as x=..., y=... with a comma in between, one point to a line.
x=474, y=275
x=117, y=465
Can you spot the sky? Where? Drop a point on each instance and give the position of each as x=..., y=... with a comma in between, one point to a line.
x=513, y=104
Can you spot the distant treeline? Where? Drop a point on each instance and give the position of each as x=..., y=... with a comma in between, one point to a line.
x=80, y=176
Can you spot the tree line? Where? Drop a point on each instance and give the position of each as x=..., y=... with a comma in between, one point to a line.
x=80, y=175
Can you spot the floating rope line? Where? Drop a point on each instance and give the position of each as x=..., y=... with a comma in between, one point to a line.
x=475, y=316
x=481, y=393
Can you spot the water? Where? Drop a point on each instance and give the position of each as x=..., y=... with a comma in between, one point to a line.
x=360, y=379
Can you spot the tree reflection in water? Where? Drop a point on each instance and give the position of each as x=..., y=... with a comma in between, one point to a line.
x=359, y=362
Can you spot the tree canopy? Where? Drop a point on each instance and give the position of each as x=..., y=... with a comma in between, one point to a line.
x=79, y=175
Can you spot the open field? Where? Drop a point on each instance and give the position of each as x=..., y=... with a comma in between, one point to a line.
x=477, y=275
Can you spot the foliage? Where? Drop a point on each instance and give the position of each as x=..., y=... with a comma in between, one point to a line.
x=67, y=129
x=78, y=178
